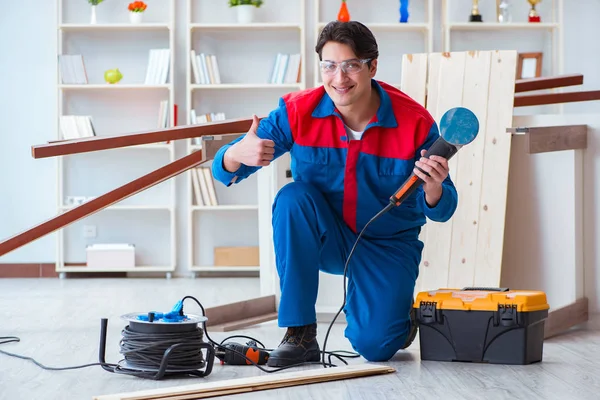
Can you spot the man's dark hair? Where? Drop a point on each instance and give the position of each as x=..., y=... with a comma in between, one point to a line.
x=352, y=33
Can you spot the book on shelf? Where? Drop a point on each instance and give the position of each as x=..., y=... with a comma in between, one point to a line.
x=286, y=68
x=203, y=118
x=205, y=68
x=72, y=69
x=157, y=72
x=164, y=117
x=204, y=186
x=76, y=126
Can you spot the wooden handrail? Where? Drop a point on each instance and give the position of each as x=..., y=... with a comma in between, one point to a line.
x=96, y=143
x=547, y=82
x=522, y=100
x=129, y=189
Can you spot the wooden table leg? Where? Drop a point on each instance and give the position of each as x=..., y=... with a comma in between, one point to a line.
x=101, y=202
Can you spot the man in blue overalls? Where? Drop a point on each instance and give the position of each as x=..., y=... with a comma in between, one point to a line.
x=353, y=142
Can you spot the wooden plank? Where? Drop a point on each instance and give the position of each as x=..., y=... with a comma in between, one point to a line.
x=547, y=82
x=522, y=100
x=415, y=68
x=433, y=79
x=566, y=317
x=244, y=322
x=90, y=207
x=254, y=383
x=496, y=156
x=221, y=316
x=431, y=99
x=461, y=268
x=544, y=139
x=556, y=138
x=414, y=76
x=436, y=252
x=96, y=143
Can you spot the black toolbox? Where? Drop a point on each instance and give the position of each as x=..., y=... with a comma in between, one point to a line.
x=486, y=325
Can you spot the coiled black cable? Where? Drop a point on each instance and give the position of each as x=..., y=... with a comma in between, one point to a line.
x=146, y=350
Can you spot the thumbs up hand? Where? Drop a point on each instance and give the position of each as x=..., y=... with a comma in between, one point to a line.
x=251, y=150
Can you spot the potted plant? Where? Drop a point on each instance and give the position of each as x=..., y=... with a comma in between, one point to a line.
x=94, y=4
x=245, y=9
x=135, y=11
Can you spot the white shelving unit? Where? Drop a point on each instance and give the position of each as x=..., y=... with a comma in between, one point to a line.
x=393, y=37
x=245, y=54
x=546, y=36
x=125, y=107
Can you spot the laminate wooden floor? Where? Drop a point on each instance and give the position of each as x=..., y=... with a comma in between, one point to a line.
x=58, y=322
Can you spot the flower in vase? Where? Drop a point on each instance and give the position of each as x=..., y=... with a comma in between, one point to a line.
x=137, y=6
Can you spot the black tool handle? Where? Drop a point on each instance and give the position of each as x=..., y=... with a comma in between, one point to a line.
x=439, y=148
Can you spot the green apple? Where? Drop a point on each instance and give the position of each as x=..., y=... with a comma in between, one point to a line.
x=112, y=75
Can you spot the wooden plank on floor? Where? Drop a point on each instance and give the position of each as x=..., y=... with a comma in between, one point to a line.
x=241, y=314
x=255, y=383
x=438, y=237
x=414, y=76
x=494, y=188
x=469, y=173
x=561, y=319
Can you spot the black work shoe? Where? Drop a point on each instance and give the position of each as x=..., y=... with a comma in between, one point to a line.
x=297, y=346
x=414, y=327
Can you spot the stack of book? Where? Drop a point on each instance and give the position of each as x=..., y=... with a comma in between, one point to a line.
x=76, y=126
x=157, y=72
x=204, y=186
x=205, y=68
x=286, y=69
x=72, y=69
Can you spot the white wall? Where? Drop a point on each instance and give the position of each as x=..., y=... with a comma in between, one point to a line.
x=553, y=214
x=28, y=114
x=28, y=104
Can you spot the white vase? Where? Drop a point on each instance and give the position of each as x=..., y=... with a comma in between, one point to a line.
x=93, y=18
x=245, y=13
x=135, y=17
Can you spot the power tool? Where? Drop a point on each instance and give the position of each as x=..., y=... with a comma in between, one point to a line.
x=232, y=353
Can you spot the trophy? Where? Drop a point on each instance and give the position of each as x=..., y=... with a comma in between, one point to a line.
x=533, y=15
x=475, y=16
x=503, y=11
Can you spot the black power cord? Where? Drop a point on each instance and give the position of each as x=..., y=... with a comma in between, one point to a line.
x=156, y=355
x=339, y=354
x=373, y=219
x=11, y=339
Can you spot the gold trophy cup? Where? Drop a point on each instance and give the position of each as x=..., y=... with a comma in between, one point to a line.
x=533, y=14
x=475, y=16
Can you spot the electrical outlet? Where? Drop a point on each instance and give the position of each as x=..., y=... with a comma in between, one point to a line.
x=89, y=231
